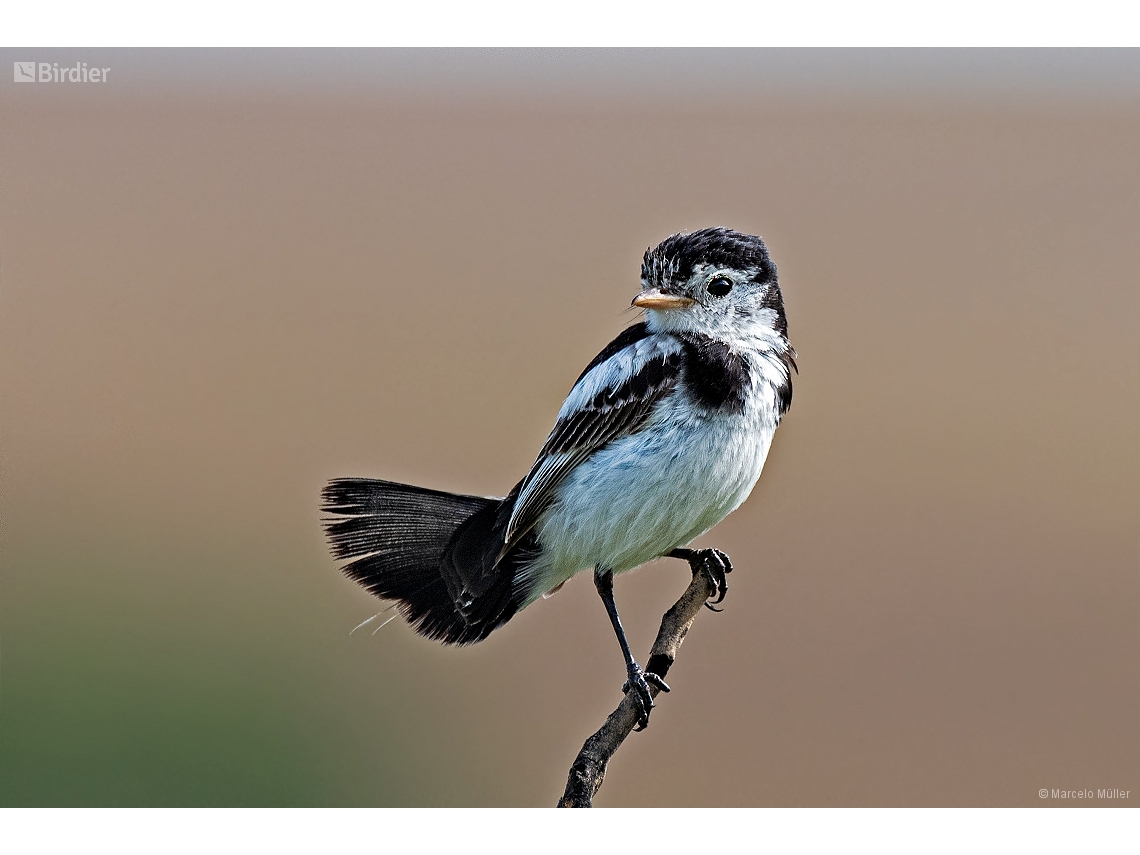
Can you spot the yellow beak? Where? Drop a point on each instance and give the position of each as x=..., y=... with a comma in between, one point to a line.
x=656, y=300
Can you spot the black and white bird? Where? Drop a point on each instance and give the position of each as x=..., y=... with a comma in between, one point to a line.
x=662, y=436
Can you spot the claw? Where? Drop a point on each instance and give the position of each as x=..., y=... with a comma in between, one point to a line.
x=638, y=682
x=713, y=562
x=721, y=567
x=727, y=561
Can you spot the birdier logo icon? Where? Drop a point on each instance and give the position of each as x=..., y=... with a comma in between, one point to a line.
x=24, y=72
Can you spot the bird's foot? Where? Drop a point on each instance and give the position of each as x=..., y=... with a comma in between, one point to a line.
x=711, y=561
x=637, y=686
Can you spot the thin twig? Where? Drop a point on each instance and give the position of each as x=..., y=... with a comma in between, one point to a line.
x=589, y=768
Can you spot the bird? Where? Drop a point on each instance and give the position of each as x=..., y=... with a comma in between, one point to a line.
x=662, y=436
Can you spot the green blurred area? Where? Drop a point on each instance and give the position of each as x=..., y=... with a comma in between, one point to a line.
x=202, y=680
x=122, y=685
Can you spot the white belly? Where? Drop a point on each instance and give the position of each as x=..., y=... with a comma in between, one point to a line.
x=649, y=493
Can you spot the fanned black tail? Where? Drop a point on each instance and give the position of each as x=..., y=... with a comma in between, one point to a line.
x=431, y=552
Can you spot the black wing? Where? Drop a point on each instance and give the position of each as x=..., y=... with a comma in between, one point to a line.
x=613, y=397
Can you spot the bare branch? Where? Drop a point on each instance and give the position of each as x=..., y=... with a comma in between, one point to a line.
x=589, y=768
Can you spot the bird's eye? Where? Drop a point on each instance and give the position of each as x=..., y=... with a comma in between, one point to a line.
x=719, y=286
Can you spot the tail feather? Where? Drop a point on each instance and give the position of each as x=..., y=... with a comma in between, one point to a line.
x=426, y=550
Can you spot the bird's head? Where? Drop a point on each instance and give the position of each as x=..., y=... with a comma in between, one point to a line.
x=714, y=281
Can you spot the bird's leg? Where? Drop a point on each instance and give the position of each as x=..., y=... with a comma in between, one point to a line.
x=638, y=680
x=712, y=560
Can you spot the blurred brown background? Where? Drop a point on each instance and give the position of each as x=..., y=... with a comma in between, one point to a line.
x=226, y=276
